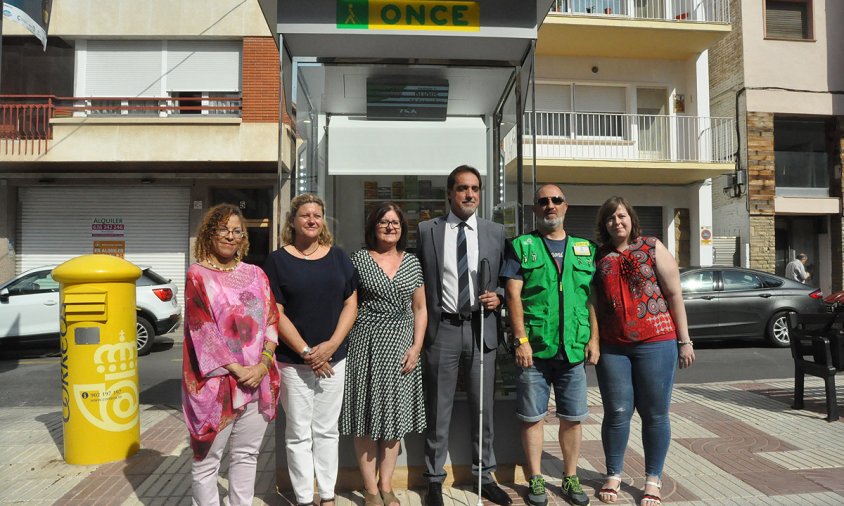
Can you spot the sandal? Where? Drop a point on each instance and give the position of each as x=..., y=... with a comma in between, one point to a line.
x=372, y=499
x=652, y=499
x=390, y=498
x=609, y=494
x=327, y=499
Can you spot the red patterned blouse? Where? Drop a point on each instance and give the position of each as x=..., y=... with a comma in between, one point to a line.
x=631, y=308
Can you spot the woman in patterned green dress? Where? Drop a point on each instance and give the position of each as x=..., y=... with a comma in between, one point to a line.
x=383, y=397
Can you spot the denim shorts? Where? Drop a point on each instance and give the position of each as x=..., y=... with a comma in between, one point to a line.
x=533, y=390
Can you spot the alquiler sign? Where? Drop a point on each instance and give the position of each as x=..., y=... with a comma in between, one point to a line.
x=408, y=15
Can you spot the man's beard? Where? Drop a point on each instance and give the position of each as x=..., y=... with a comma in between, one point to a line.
x=548, y=223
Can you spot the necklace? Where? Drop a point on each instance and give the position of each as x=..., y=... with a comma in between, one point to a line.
x=306, y=255
x=222, y=269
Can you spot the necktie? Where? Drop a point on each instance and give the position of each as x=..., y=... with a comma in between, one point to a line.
x=463, y=304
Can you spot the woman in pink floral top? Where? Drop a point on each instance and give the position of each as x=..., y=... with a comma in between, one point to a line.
x=230, y=380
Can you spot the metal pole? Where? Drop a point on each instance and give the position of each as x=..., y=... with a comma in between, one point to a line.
x=1, y=44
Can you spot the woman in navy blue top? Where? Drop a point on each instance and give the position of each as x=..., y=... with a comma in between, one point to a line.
x=315, y=287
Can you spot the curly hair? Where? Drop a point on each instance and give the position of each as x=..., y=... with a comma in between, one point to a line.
x=217, y=217
x=372, y=224
x=608, y=209
x=288, y=233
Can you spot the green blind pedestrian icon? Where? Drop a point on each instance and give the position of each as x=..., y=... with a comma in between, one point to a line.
x=353, y=14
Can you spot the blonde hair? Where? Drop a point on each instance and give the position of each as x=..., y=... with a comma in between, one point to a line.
x=288, y=233
x=217, y=217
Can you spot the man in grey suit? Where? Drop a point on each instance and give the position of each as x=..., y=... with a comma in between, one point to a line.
x=451, y=249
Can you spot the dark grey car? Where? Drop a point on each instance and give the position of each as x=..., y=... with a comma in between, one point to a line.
x=732, y=302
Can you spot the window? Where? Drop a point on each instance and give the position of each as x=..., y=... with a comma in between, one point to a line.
x=801, y=160
x=788, y=19
x=735, y=281
x=37, y=282
x=771, y=282
x=696, y=282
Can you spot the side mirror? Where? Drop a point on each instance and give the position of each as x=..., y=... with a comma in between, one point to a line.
x=4, y=295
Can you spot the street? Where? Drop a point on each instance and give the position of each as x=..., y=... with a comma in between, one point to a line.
x=30, y=377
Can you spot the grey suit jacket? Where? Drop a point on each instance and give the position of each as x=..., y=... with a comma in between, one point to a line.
x=430, y=239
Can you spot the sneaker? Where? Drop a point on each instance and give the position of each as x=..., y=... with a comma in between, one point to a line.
x=573, y=491
x=536, y=491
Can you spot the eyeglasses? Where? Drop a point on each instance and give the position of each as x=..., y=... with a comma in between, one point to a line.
x=557, y=200
x=388, y=223
x=224, y=232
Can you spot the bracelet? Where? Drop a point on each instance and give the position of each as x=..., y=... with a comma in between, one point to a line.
x=689, y=342
x=267, y=354
x=265, y=366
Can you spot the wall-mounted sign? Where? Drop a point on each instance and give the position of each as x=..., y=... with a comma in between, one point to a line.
x=705, y=236
x=107, y=226
x=409, y=15
x=113, y=248
x=396, y=98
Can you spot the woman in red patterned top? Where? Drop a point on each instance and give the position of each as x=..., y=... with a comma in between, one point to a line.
x=644, y=333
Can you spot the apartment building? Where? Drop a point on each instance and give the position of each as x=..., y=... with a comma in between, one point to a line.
x=780, y=74
x=136, y=119
x=622, y=108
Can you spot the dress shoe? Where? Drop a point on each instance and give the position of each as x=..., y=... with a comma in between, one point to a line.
x=493, y=493
x=435, y=494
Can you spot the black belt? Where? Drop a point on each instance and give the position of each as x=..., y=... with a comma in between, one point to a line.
x=457, y=319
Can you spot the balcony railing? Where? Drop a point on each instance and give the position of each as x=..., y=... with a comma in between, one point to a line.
x=627, y=137
x=701, y=11
x=25, y=120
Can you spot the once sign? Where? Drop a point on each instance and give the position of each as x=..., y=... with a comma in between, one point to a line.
x=408, y=15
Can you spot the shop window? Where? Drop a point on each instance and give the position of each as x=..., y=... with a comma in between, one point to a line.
x=801, y=159
x=788, y=19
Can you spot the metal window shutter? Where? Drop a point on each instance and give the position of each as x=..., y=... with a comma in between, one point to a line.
x=581, y=221
x=203, y=65
x=726, y=251
x=55, y=225
x=123, y=68
x=786, y=20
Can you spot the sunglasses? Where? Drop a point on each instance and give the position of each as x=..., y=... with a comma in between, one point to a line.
x=557, y=200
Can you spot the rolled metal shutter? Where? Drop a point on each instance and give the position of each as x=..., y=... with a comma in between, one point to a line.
x=726, y=251
x=581, y=221
x=57, y=223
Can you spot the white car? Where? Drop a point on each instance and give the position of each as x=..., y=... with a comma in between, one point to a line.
x=29, y=307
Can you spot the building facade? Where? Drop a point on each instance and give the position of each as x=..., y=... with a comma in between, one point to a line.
x=136, y=119
x=779, y=74
x=622, y=108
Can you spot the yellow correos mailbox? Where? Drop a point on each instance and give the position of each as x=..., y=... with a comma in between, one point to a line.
x=99, y=367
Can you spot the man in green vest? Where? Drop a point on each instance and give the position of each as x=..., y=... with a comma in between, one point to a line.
x=555, y=332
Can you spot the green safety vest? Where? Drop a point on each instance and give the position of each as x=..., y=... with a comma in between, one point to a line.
x=545, y=288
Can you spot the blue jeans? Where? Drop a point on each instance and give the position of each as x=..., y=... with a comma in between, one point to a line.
x=640, y=376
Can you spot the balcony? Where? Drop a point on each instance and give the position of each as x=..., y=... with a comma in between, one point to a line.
x=578, y=147
x=664, y=29
x=47, y=128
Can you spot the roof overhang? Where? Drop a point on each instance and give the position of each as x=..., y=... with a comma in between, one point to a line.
x=500, y=31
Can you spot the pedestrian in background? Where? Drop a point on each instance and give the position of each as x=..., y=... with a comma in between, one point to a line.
x=230, y=382
x=643, y=327
x=315, y=285
x=383, y=399
x=796, y=269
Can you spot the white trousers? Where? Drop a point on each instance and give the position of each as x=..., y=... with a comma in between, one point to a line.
x=312, y=410
x=245, y=434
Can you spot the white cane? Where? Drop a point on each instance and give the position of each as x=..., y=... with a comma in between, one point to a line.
x=483, y=282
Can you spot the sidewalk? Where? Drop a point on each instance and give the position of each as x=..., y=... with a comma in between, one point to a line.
x=733, y=444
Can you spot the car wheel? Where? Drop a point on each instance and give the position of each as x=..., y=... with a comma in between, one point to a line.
x=146, y=336
x=778, y=330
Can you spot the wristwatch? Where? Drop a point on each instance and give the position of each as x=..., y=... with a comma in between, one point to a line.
x=520, y=341
x=305, y=351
